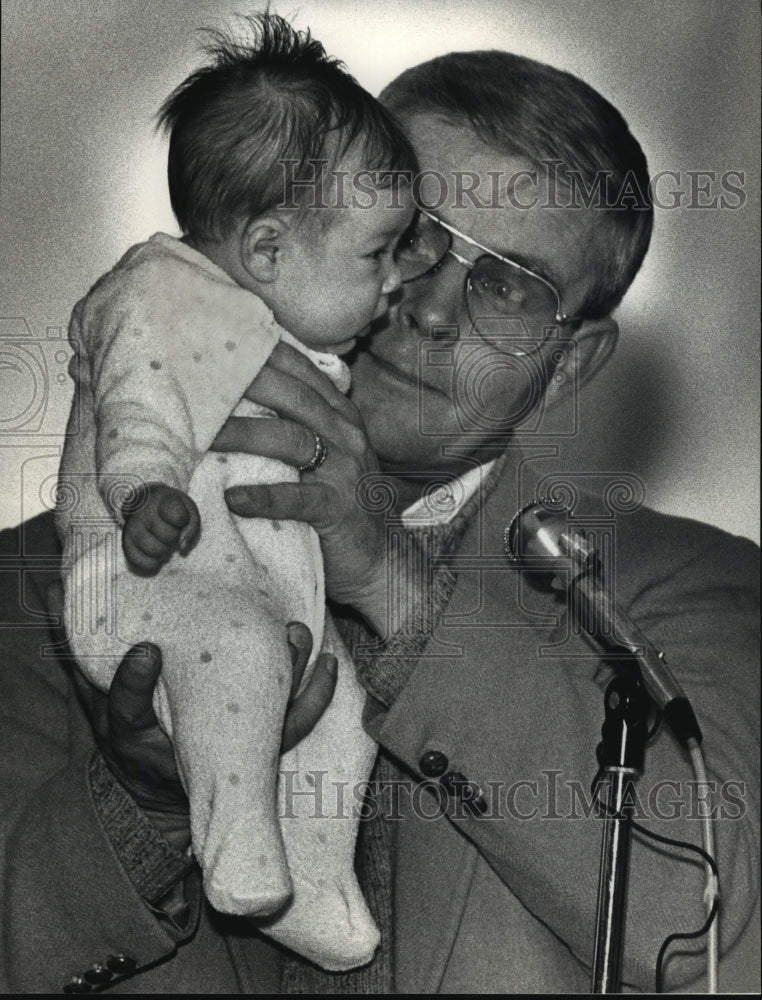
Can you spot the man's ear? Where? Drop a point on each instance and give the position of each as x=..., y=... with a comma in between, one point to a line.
x=595, y=342
x=262, y=242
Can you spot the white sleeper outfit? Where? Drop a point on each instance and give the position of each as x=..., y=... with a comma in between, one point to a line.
x=166, y=346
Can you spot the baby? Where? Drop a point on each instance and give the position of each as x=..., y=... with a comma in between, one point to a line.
x=261, y=143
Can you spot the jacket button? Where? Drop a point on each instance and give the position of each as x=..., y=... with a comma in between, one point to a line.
x=454, y=782
x=77, y=985
x=433, y=763
x=458, y=785
x=98, y=975
x=120, y=965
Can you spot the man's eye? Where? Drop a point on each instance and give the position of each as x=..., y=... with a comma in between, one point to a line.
x=500, y=290
x=408, y=243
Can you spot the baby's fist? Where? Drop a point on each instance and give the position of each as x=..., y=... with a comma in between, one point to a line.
x=167, y=522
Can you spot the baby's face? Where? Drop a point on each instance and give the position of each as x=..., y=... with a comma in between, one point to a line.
x=335, y=276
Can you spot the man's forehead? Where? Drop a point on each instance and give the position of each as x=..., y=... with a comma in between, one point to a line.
x=448, y=146
x=459, y=170
x=502, y=200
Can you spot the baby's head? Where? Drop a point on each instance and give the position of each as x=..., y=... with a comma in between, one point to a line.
x=292, y=178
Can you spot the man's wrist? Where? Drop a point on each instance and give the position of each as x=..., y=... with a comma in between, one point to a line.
x=153, y=858
x=372, y=601
x=389, y=601
x=174, y=828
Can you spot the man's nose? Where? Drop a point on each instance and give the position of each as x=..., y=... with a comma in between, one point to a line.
x=434, y=304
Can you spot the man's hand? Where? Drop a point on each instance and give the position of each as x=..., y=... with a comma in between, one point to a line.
x=139, y=752
x=351, y=534
x=166, y=522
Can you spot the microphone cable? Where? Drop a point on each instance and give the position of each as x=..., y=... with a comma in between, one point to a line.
x=711, y=891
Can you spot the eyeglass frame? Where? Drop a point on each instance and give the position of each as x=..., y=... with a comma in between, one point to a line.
x=560, y=316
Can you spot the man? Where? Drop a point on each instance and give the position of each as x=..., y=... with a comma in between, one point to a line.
x=488, y=702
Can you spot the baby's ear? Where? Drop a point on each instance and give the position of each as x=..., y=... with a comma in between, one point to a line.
x=261, y=243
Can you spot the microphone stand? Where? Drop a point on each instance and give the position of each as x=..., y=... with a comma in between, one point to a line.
x=645, y=680
x=620, y=759
x=542, y=536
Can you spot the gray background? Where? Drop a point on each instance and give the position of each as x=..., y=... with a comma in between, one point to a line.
x=82, y=178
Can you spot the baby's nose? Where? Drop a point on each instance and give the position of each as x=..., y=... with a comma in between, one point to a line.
x=393, y=280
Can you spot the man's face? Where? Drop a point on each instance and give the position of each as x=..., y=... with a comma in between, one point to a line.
x=401, y=395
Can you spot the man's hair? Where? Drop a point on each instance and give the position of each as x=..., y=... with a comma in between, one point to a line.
x=270, y=96
x=525, y=108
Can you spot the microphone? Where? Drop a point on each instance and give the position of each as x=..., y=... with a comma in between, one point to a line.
x=544, y=540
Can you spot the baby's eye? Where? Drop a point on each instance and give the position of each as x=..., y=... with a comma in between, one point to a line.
x=377, y=254
x=409, y=241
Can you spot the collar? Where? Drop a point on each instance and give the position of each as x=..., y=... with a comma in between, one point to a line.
x=441, y=504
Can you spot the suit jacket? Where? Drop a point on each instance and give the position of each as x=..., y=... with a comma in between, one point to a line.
x=506, y=901
x=506, y=702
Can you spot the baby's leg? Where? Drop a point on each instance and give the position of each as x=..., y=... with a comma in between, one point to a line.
x=320, y=790
x=221, y=696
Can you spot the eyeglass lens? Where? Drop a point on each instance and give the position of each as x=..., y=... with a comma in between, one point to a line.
x=421, y=248
x=495, y=291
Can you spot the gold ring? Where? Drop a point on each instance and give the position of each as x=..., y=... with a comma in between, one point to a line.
x=321, y=451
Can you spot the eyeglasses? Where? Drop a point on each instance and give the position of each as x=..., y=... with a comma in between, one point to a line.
x=501, y=295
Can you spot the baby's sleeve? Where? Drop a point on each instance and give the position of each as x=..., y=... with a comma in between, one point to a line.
x=170, y=352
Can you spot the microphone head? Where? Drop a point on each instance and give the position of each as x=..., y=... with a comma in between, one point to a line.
x=541, y=536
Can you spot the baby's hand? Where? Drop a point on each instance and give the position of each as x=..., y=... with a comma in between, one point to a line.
x=167, y=522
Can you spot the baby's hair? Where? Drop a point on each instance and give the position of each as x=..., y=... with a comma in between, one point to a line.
x=269, y=97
